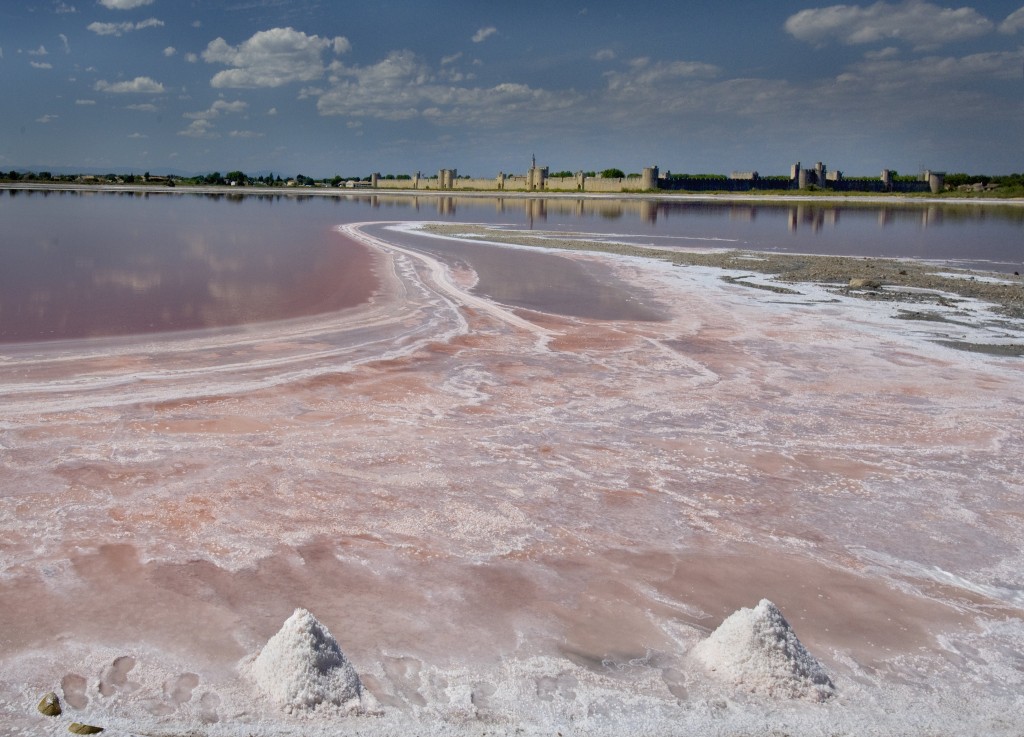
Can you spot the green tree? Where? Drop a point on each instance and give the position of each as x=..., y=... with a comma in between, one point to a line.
x=612, y=174
x=236, y=176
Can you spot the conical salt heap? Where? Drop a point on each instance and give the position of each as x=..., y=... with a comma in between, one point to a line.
x=757, y=650
x=302, y=667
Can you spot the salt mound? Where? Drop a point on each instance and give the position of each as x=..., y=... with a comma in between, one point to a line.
x=756, y=649
x=302, y=667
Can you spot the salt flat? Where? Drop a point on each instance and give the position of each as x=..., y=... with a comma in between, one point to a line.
x=516, y=520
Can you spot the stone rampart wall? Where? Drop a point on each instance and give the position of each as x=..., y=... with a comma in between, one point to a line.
x=635, y=184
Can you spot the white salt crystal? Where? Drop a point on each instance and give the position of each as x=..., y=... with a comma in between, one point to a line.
x=302, y=667
x=756, y=649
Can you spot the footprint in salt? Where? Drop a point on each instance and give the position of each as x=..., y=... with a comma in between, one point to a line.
x=208, y=704
x=115, y=676
x=404, y=673
x=482, y=694
x=180, y=689
x=73, y=686
x=176, y=693
x=675, y=681
x=548, y=687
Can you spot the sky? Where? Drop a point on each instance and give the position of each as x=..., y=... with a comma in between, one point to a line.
x=326, y=87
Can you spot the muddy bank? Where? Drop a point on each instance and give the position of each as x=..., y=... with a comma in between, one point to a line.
x=1006, y=293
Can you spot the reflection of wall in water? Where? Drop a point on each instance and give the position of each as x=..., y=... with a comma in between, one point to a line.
x=815, y=217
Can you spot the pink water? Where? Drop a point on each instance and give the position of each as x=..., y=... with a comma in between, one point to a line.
x=516, y=519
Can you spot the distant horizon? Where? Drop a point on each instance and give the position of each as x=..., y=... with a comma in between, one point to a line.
x=335, y=88
x=255, y=174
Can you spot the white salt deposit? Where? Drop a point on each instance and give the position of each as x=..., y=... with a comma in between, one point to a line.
x=302, y=667
x=757, y=650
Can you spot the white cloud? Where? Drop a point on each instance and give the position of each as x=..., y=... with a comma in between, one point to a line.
x=1014, y=22
x=245, y=134
x=41, y=51
x=218, y=108
x=643, y=77
x=925, y=76
x=124, y=4
x=400, y=87
x=145, y=107
x=64, y=42
x=63, y=8
x=138, y=85
x=446, y=60
x=191, y=58
x=484, y=33
x=272, y=111
x=41, y=64
x=170, y=51
x=119, y=29
x=199, y=129
x=46, y=119
x=920, y=23
x=85, y=102
x=604, y=55
x=887, y=53
x=271, y=58
x=137, y=135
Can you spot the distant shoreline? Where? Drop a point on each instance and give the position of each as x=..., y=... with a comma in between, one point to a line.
x=876, y=199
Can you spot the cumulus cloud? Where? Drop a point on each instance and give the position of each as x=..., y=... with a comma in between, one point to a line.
x=272, y=58
x=124, y=4
x=85, y=102
x=191, y=58
x=245, y=134
x=401, y=87
x=170, y=51
x=199, y=129
x=41, y=64
x=46, y=119
x=119, y=29
x=63, y=8
x=143, y=85
x=641, y=75
x=64, y=42
x=604, y=55
x=218, y=108
x=483, y=34
x=921, y=23
x=137, y=135
x=145, y=107
x=900, y=78
x=41, y=51
x=1014, y=22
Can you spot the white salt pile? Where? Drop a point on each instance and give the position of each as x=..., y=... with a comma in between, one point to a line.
x=757, y=650
x=302, y=667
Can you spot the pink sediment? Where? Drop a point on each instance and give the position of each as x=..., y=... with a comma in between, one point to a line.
x=447, y=480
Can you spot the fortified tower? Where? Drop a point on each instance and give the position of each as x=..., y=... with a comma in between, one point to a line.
x=649, y=178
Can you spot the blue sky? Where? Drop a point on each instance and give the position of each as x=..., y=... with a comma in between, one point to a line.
x=324, y=87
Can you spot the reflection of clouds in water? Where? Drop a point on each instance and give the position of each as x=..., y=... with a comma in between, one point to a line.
x=212, y=257
x=133, y=280
x=236, y=299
